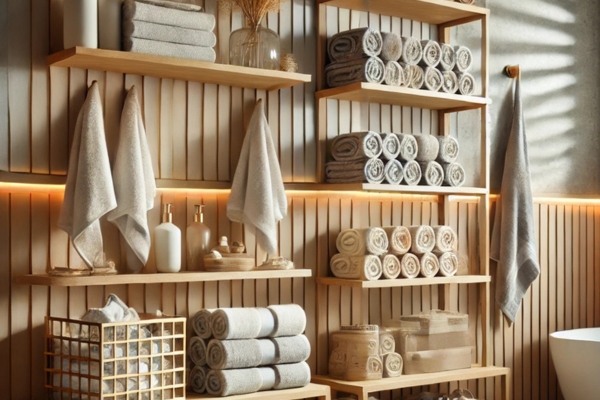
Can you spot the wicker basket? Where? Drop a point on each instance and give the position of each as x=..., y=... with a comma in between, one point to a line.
x=122, y=361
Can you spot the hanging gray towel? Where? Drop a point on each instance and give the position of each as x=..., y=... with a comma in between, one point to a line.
x=513, y=238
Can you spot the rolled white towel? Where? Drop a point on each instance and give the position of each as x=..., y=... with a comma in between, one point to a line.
x=423, y=239
x=394, y=74
x=449, y=82
x=454, y=174
x=390, y=266
x=392, y=365
x=448, y=263
x=466, y=83
x=387, y=344
x=408, y=147
x=412, y=51
x=411, y=266
x=291, y=349
x=357, y=242
x=432, y=53
x=464, y=58
x=433, y=173
x=290, y=319
x=428, y=147
x=429, y=265
x=433, y=79
x=233, y=381
x=364, y=267
x=448, y=59
x=289, y=376
x=393, y=172
x=391, y=49
x=390, y=144
x=235, y=323
x=229, y=354
x=412, y=173
x=448, y=149
x=399, y=240
x=445, y=239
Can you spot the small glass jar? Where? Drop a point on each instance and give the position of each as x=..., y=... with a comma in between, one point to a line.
x=255, y=47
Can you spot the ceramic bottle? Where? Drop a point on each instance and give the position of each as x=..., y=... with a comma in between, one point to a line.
x=167, y=243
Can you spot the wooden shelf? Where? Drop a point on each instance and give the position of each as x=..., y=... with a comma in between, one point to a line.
x=175, y=68
x=193, y=184
x=311, y=390
x=403, y=282
x=383, y=187
x=360, y=387
x=430, y=11
x=403, y=96
x=178, y=277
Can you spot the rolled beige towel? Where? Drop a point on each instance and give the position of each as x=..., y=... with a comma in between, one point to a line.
x=197, y=378
x=428, y=147
x=448, y=58
x=393, y=172
x=449, y=82
x=466, y=83
x=354, y=43
x=387, y=344
x=406, y=73
x=429, y=265
x=197, y=351
x=392, y=365
x=410, y=266
x=358, y=242
x=423, y=239
x=394, y=74
x=371, y=170
x=417, y=77
x=356, y=145
x=408, y=147
x=448, y=149
x=412, y=51
x=433, y=173
x=433, y=79
x=412, y=173
x=445, y=239
x=390, y=266
x=201, y=323
x=371, y=70
x=448, y=263
x=464, y=58
x=432, y=53
x=390, y=144
x=365, y=268
x=391, y=49
x=454, y=174
x=399, y=240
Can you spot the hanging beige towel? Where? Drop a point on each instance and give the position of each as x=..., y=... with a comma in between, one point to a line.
x=197, y=350
x=399, y=239
x=371, y=70
x=412, y=51
x=257, y=194
x=449, y=82
x=430, y=265
x=411, y=266
x=393, y=172
x=354, y=43
x=448, y=149
x=445, y=238
x=358, y=242
x=365, y=267
x=432, y=53
x=433, y=173
x=390, y=266
x=408, y=147
x=423, y=239
x=448, y=263
x=454, y=174
x=201, y=323
x=391, y=48
x=356, y=146
x=394, y=74
x=390, y=144
x=448, y=59
x=89, y=191
x=412, y=173
x=392, y=365
x=198, y=379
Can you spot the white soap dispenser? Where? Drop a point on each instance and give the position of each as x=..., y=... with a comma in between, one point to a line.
x=198, y=240
x=167, y=243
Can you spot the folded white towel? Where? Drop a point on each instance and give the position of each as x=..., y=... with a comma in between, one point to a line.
x=133, y=180
x=168, y=33
x=235, y=323
x=151, y=12
x=291, y=375
x=165, y=49
x=290, y=319
x=89, y=192
x=257, y=194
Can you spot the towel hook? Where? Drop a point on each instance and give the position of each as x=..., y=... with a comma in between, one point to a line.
x=512, y=71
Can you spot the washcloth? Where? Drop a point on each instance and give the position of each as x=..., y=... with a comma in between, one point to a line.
x=358, y=242
x=370, y=69
x=417, y=77
x=201, y=323
x=466, y=83
x=464, y=58
x=151, y=12
x=394, y=74
x=353, y=44
x=449, y=82
x=393, y=172
x=290, y=349
x=445, y=238
x=115, y=310
x=423, y=239
x=399, y=239
x=513, y=235
x=230, y=382
x=454, y=174
x=390, y=266
x=371, y=170
x=290, y=319
x=291, y=375
x=387, y=344
x=356, y=146
x=448, y=263
x=448, y=58
x=430, y=265
x=392, y=365
x=167, y=33
x=448, y=149
x=408, y=147
x=428, y=147
x=412, y=51
x=89, y=192
x=133, y=180
x=228, y=354
x=412, y=173
x=257, y=194
x=410, y=266
x=364, y=267
x=432, y=53
x=390, y=146
x=433, y=173
x=235, y=323
x=197, y=379
x=177, y=50
x=433, y=79
x=197, y=351
x=267, y=322
x=391, y=48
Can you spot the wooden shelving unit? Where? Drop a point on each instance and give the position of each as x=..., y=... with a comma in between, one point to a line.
x=320, y=392
x=402, y=282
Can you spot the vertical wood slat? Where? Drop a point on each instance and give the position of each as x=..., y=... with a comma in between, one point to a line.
x=4, y=127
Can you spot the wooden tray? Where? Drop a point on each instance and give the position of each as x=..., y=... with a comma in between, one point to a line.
x=229, y=262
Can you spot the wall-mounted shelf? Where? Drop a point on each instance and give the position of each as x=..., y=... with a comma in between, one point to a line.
x=178, y=277
x=382, y=187
x=309, y=391
x=403, y=96
x=175, y=68
x=403, y=282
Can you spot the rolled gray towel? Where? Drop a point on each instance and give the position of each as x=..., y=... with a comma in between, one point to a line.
x=356, y=146
x=371, y=170
x=448, y=151
x=201, y=323
x=408, y=147
x=230, y=382
x=450, y=82
x=448, y=263
x=394, y=74
x=445, y=239
x=291, y=375
x=454, y=174
x=448, y=59
x=433, y=173
x=464, y=59
x=433, y=79
x=432, y=53
x=391, y=49
x=354, y=44
x=428, y=147
x=371, y=70
x=390, y=144
x=417, y=77
x=406, y=73
x=229, y=354
x=423, y=239
x=152, y=12
x=291, y=349
x=290, y=319
x=235, y=323
x=197, y=379
x=176, y=50
x=393, y=172
x=412, y=173
x=466, y=83
x=167, y=33
x=197, y=350
x=412, y=51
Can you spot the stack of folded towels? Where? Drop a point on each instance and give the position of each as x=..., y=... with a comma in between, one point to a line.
x=246, y=350
x=168, y=28
x=369, y=253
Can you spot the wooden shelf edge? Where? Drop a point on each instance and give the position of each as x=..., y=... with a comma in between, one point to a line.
x=178, y=277
x=175, y=68
x=383, y=187
x=308, y=391
x=404, y=282
x=192, y=184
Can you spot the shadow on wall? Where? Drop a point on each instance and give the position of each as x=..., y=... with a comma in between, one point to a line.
x=556, y=45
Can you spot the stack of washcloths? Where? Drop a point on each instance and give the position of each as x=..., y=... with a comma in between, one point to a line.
x=368, y=254
x=168, y=28
x=246, y=350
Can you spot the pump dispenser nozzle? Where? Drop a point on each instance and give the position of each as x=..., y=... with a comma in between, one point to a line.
x=199, y=213
x=167, y=212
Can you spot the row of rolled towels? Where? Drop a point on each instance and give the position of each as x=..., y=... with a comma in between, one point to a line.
x=393, y=251
x=368, y=55
x=396, y=158
x=168, y=28
x=245, y=350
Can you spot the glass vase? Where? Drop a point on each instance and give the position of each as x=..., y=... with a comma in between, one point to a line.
x=255, y=47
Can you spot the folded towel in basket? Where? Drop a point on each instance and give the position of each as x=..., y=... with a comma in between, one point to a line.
x=354, y=44
x=371, y=69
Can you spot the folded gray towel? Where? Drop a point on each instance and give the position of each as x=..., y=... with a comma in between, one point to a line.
x=370, y=69
x=466, y=83
x=428, y=147
x=391, y=48
x=291, y=375
x=230, y=382
x=448, y=59
x=167, y=33
x=394, y=74
x=432, y=53
x=454, y=174
x=290, y=349
x=184, y=51
x=433, y=173
x=354, y=44
x=448, y=149
x=393, y=172
x=412, y=172
x=370, y=170
x=450, y=82
x=235, y=323
x=433, y=79
x=356, y=146
x=290, y=319
x=151, y=12
x=390, y=144
x=179, y=5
